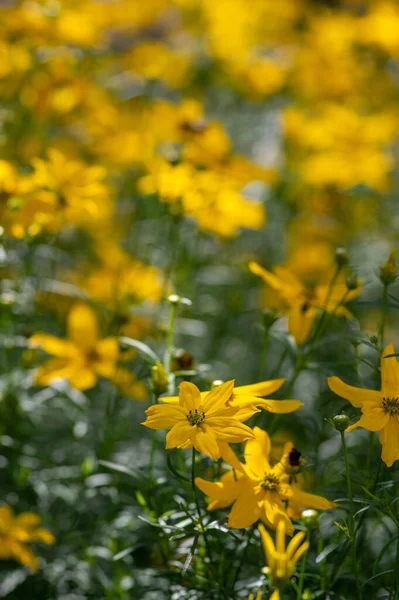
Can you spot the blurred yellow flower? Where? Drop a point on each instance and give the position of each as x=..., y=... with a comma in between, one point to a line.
x=84, y=357
x=301, y=302
x=202, y=423
x=380, y=409
x=280, y=560
x=257, y=489
x=16, y=532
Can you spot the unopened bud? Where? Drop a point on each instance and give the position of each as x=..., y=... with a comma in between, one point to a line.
x=269, y=317
x=389, y=270
x=340, y=422
x=310, y=518
x=341, y=256
x=159, y=380
x=352, y=282
x=307, y=595
x=174, y=299
x=216, y=383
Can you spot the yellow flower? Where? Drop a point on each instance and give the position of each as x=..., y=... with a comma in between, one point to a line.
x=83, y=357
x=301, y=302
x=199, y=422
x=17, y=532
x=257, y=489
x=280, y=560
x=380, y=409
x=249, y=397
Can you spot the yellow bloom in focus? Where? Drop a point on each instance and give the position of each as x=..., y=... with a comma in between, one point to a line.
x=17, y=532
x=380, y=409
x=84, y=357
x=248, y=398
x=301, y=302
x=198, y=422
x=280, y=560
x=258, y=489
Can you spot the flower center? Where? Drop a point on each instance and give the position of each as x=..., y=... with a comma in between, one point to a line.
x=195, y=417
x=269, y=482
x=391, y=405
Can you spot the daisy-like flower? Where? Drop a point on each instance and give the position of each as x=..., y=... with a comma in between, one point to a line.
x=84, y=357
x=248, y=398
x=257, y=489
x=280, y=560
x=16, y=532
x=380, y=409
x=199, y=422
x=300, y=302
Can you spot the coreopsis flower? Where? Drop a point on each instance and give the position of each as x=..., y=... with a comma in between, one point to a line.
x=16, y=532
x=301, y=302
x=380, y=409
x=258, y=489
x=248, y=398
x=281, y=560
x=199, y=422
x=84, y=356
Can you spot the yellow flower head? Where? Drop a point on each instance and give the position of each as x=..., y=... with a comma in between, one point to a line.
x=248, y=398
x=280, y=560
x=380, y=409
x=301, y=302
x=17, y=532
x=199, y=422
x=83, y=357
x=258, y=489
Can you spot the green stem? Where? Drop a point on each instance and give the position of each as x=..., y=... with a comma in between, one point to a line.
x=169, y=345
x=395, y=575
x=351, y=515
x=383, y=316
x=302, y=572
x=200, y=521
x=153, y=445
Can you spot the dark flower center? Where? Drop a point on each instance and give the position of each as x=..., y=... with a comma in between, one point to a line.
x=269, y=482
x=195, y=417
x=391, y=405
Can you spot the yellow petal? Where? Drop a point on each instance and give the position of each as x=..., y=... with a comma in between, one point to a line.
x=268, y=544
x=189, y=396
x=300, y=320
x=304, y=500
x=229, y=457
x=257, y=452
x=390, y=373
x=275, y=595
x=83, y=327
x=264, y=388
x=162, y=416
x=281, y=407
x=229, y=430
x=280, y=537
x=246, y=510
x=274, y=509
x=82, y=378
x=389, y=438
x=356, y=396
x=55, y=368
x=53, y=345
x=107, y=350
x=217, y=398
x=295, y=543
x=204, y=440
x=179, y=435
x=373, y=419
x=221, y=494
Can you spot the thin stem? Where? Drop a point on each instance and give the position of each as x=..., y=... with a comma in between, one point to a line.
x=395, y=575
x=153, y=444
x=383, y=316
x=351, y=514
x=200, y=521
x=169, y=345
x=302, y=572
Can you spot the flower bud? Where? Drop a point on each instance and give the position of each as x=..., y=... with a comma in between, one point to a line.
x=352, y=282
x=310, y=518
x=216, y=383
x=340, y=422
x=174, y=299
x=269, y=317
x=159, y=380
x=307, y=594
x=341, y=256
x=389, y=270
